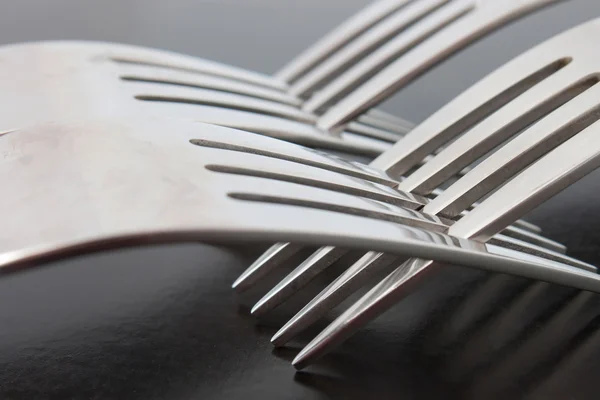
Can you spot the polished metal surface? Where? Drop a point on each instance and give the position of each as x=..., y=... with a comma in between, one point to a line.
x=490, y=112
x=338, y=38
x=102, y=165
x=160, y=321
x=70, y=115
x=462, y=23
x=562, y=100
x=547, y=176
x=386, y=30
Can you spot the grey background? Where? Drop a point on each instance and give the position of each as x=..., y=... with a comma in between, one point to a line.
x=162, y=322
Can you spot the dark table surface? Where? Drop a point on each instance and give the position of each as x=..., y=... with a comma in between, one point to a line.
x=162, y=322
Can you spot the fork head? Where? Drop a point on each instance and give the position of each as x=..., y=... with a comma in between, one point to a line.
x=102, y=165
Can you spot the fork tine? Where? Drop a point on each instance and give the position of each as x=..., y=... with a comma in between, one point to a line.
x=332, y=42
x=176, y=86
x=141, y=73
x=534, y=239
x=299, y=277
x=363, y=45
x=279, y=128
x=187, y=95
x=347, y=283
x=296, y=155
x=402, y=282
x=511, y=158
x=160, y=59
x=538, y=251
x=413, y=36
x=532, y=105
x=276, y=254
x=488, y=16
x=549, y=175
x=371, y=264
x=280, y=170
x=470, y=108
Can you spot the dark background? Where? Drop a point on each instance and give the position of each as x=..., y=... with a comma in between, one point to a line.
x=162, y=322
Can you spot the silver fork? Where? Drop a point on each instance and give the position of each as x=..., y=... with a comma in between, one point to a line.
x=213, y=206
x=104, y=155
x=416, y=34
x=103, y=161
x=557, y=73
x=83, y=68
x=40, y=83
x=521, y=92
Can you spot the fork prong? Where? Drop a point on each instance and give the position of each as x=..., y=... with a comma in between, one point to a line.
x=363, y=45
x=298, y=278
x=535, y=103
x=404, y=281
x=198, y=96
x=487, y=17
x=332, y=42
x=549, y=175
x=134, y=55
x=275, y=127
x=390, y=290
x=530, y=248
x=396, y=47
x=274, y=256
x=141, y=73
x=511, y=158
x=534, y=239
x=353, y=278
x=468, y=109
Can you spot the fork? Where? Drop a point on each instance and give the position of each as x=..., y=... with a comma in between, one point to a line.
x=414, y=35
x=102, y=161
x=548, y=85
x=83, y=68
x=101, y=164
x=73, y=131
x=522, y=91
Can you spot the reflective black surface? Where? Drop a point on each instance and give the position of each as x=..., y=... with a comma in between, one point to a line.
x=163, y=323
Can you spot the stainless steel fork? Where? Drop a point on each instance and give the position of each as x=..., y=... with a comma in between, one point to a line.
x=82, y=67
x=103, y=161
x=553, y=83
x=70, y=128
x=414, y=35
